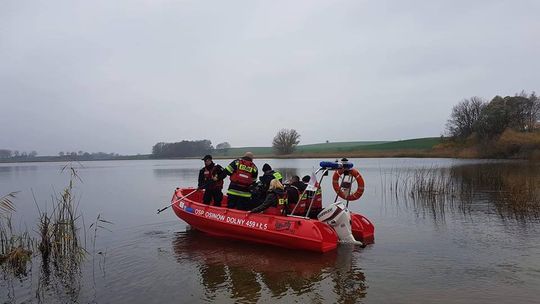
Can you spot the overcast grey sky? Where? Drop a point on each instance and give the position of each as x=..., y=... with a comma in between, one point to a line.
x=119, y=76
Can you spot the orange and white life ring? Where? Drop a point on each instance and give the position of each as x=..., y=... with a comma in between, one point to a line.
x=343, y=190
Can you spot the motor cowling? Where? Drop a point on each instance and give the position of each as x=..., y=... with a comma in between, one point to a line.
x=338, y=217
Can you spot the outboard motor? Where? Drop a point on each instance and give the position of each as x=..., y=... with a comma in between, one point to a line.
x=339, y=218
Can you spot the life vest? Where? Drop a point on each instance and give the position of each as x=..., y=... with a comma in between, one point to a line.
x=267, y=177
x=243, y=173
x=317, y=200
x=282, y=202
x=305, y=200
x=209, y=174
x=303, y=203
x=277, y=176
x=280, y=206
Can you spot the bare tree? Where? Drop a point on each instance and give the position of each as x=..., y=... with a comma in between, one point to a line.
x=532, y=110
x=285, y=141
x=464, y=117
x=516, y=109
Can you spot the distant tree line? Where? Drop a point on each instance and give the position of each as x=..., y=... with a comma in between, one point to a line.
x=185, y=148
x=6, y=153
x=82, y=155
x=284, y=142
x=488, y=120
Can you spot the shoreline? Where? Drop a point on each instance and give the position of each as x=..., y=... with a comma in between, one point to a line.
x=328, y=155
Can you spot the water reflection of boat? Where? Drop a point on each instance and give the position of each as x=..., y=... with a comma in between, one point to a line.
x=246, y=271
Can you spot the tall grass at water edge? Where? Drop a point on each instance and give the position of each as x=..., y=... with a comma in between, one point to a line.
x=15, y=248
x=511, y=192
x=60, y=244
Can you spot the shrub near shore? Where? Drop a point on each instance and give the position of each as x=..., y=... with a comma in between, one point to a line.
x=505, y=127
x=509, y=145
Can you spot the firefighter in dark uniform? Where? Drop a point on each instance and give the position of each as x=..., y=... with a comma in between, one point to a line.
x=294, y=189
x=269, y=175
x=260, y=190
x=243, y=174
x=211, y=183
x=276, y=197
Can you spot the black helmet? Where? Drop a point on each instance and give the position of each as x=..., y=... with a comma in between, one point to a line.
x=207, y=156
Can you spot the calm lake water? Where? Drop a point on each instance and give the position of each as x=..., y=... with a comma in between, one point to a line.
x=478, y=244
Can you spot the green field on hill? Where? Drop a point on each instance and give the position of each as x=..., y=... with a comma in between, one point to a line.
x=411, y=144
x=337, y=146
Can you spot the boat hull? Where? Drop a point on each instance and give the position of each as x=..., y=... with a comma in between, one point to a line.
x=284, y=231
x=362, y=228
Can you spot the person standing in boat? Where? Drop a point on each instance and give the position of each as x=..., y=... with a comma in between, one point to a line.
x=259, y=192
x=295, y=181
x=294, y=188
x=312, y=196
x=243, y=173
x=210, y=182
x=268, y=176
x=276, y=198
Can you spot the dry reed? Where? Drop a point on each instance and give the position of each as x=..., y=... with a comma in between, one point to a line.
x=513, y=191
x=15, y=248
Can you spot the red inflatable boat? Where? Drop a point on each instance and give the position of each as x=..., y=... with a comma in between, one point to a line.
x=285, y=231
x=289, y=231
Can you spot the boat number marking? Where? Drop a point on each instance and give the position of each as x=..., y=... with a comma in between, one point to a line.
x=230, y=220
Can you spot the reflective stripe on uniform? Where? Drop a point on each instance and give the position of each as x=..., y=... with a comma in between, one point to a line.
x=239, y=193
